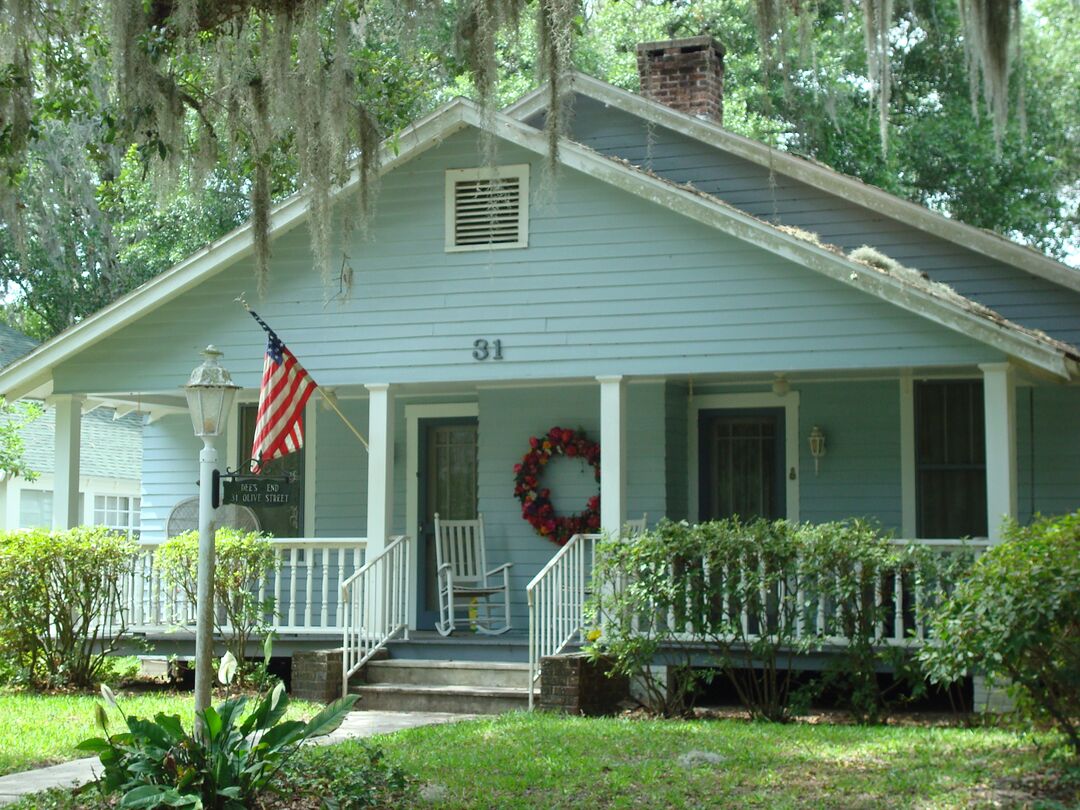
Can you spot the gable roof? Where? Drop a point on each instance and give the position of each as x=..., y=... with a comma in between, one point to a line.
x=32, y=374
x=811, y=173
x=14, y=344
x=111, y=444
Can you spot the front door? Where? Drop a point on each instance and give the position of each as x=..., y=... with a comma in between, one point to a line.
x=741, y=464
x=447, y=477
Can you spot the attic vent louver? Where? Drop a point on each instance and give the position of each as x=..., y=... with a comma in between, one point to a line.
x=487, y=209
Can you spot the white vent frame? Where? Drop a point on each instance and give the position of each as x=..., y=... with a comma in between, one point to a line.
x=519, y=171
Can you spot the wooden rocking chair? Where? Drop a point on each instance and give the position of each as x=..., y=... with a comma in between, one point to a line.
x=465, y=584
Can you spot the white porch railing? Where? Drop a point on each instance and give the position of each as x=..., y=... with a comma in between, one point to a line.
x=304, y=586
x=557, y=597
x=376, y=600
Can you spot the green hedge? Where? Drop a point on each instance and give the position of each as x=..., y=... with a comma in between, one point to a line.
x=243, y=558
x=680, y=593
x=60, y=605
x=1017, y=620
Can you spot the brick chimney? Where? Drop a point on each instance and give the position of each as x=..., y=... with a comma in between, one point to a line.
x=687, y=74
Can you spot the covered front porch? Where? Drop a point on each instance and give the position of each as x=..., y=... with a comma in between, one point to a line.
x=913, y=449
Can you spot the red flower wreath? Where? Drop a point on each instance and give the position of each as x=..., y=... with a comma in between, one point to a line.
x=536, y=502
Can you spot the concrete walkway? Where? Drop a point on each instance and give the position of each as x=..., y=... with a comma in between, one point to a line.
x=80, y=771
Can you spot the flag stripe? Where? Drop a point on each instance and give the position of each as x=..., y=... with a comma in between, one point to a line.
x=285, y=390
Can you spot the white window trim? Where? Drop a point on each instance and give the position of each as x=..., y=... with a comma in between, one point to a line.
x=413, y=415
x=789, y=402
x=453, y=176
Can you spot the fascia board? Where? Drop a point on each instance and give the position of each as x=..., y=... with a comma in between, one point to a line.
x=816, y=175
x=33, y=372
x=735, y=223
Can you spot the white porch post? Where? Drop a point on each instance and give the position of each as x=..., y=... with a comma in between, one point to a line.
x=66, y=467
x=999, y=401
x=612, y=454
x=380, y=501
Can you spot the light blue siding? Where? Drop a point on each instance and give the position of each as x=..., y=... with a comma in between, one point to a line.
x=1019, y=296
x=340, y=472
x=860, y=474
x=609, y=284
x=169, y=472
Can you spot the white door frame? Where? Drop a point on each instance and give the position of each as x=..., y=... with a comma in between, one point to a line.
x=413, y=415
x=766, y=399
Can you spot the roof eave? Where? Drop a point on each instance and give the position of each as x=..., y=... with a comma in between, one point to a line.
x=813, y=174
x=33, y=372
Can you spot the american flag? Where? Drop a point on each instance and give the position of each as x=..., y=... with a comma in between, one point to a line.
x=286, y=387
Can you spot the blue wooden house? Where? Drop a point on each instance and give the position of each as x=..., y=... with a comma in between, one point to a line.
x=695, y=301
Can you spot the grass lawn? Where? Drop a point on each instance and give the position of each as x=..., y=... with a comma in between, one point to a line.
x=44, y=729
x=547, y=761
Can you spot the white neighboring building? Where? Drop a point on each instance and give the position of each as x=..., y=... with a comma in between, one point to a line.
x=111, y=446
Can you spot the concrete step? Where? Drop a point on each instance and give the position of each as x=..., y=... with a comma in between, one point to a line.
x=454, y=699
x=424, y=672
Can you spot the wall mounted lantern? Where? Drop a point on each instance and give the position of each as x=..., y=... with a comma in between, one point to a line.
x=817, y=446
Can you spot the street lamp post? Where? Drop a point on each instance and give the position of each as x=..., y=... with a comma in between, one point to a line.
x=210, y=393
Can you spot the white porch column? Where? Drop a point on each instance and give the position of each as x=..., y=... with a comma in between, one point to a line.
x=380, y=500
x=612, y=454
x=66, y=466
x=999, y=401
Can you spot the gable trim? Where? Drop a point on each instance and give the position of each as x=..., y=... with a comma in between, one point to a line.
x=813, y=174
x=710, y=211
x=31, y=374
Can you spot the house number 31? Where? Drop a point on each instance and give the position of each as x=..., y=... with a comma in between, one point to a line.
x=487, y=350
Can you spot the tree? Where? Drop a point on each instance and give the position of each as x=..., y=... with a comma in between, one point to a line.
x=13, y=418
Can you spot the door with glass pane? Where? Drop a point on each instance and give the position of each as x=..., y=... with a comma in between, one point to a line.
x=447, y=486
x=741, y=464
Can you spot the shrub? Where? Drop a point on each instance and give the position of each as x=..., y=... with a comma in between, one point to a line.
x=60, y=602
x=718, y=594
x=160, y=764
x=1016, y=618
x=243, y=559
x=748, y=598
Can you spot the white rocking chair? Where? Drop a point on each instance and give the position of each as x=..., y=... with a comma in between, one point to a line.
x=465, y=584
x=632, y=528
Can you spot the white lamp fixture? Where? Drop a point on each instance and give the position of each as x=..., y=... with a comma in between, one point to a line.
x=817, y=445
x=210, y=392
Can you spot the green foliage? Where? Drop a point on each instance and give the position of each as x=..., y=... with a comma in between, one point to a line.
x=680, y=586
x=234, y=758
x=748, y=598
x=363, y=779
x=14, y=416
x=1017, y=619
x=243, y=558
x=60, y=605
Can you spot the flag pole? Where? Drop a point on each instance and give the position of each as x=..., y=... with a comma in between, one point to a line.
x=328, y=398
x=331, y=400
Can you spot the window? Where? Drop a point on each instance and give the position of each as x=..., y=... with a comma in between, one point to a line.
x=35, y=508
x=950, y=459
x=487, y=209
x=118, y=512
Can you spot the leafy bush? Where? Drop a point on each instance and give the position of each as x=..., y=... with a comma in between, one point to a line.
x=60, y=602
x=243, y=559
x=160, y=764
x=1016, y=618
x=685, y=590
x=748, y=598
